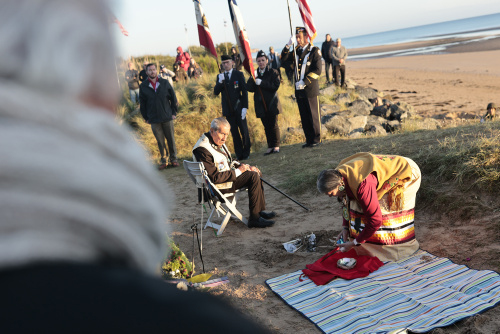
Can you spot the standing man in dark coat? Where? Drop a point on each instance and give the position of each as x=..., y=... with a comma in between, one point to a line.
x=159, y=108
x=306, y=85
x=267, y=105
x=326, y=53
x=234, y=99
x=143, y=76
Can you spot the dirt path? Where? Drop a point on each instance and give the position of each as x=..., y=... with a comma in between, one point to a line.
x=251, y=256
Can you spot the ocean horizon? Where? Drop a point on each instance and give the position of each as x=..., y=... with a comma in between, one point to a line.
x=483, y=27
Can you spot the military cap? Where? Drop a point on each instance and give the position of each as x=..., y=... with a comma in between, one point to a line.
x=225, y=57
x=300, y=29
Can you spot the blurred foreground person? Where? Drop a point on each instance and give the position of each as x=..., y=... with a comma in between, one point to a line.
x=378, y=197
x=82, y=212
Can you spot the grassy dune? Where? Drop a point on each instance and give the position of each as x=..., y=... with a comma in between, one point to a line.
x=461, y=165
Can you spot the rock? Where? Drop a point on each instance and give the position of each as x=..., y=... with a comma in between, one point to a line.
x=343, y=98
x=357, y=123
x=375, y=120
x=430, y=124
x=345, y=126
x=368, y=93
x=326, y=109
x=360, y=107
x=337, y=124
x=355, y=134
x=381, y=111
x=330, y=90
x=402, y=110
x=375, y=129
x=392, y=126
x=350, y=84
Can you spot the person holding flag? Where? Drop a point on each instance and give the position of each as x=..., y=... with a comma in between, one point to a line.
x=234, y=99
x=267, y=104
x=308, y=69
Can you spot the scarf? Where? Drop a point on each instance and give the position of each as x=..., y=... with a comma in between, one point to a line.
x=74, y=186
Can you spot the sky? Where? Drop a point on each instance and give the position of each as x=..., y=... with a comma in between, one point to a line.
x=159, y=26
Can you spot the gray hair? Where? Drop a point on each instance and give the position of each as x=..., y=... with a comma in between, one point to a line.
x=217, y=123
x=59, y=47
x=328, y=180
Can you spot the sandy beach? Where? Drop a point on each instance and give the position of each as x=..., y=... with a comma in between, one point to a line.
x=455, y=84
x=459, y=84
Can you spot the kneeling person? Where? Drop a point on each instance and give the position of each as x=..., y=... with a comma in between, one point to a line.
x=229, y=175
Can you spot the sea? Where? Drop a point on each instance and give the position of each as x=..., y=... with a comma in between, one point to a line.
x=483, y=27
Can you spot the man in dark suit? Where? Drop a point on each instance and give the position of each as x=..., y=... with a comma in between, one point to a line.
x=306, y=85
x=234, y=98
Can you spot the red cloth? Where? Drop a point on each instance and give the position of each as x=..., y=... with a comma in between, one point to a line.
x=325, y=269
x=368, y=200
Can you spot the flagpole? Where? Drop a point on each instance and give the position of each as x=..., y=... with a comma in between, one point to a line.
x=293, y=44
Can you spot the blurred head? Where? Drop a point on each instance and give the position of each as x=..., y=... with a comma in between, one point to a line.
x=233, y=50
x=219, y=130
x=179, y=50
x=131, y=66
x=271, y=49
x=329, y=181
x=151, y=71
x=145, y=64
x=32, y=32
x=339, y=42
x=227, y=64
x=302, y=38
x=328, y=37
x=261, y=59
x=192, y=61
x=491, y=106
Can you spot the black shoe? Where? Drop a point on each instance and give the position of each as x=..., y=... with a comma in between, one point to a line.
x=260, y=223
x=315, y=144
x=267, y=153
x=268, y=214
x=306, y=145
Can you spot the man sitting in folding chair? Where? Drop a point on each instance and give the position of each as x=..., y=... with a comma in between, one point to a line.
x=229, y=175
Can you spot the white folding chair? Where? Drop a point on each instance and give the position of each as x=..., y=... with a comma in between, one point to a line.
x=222, y=204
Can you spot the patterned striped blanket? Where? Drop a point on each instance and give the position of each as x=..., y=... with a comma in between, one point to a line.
x=418, y=294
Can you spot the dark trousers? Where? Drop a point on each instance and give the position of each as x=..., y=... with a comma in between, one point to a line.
x=309, y=116
x=339, y=71
x=161, y=132
x=256, y=199
x=272, y=130
x=241, y=137
x=328, y=64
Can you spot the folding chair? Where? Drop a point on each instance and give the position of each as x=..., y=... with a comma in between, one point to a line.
x=222, y=204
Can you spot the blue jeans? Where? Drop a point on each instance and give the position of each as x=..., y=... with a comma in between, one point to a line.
x=134, y=95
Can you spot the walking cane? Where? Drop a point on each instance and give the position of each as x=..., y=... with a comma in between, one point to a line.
x=282, y=193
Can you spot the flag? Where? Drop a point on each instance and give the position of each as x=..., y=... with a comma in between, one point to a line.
x=115, y=20
x=203, y=30
x=307, y=18
x=241, y=36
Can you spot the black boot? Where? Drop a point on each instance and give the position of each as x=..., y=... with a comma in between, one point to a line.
x=260, y=222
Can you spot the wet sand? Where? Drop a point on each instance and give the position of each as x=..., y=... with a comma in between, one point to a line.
x=456, y=84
